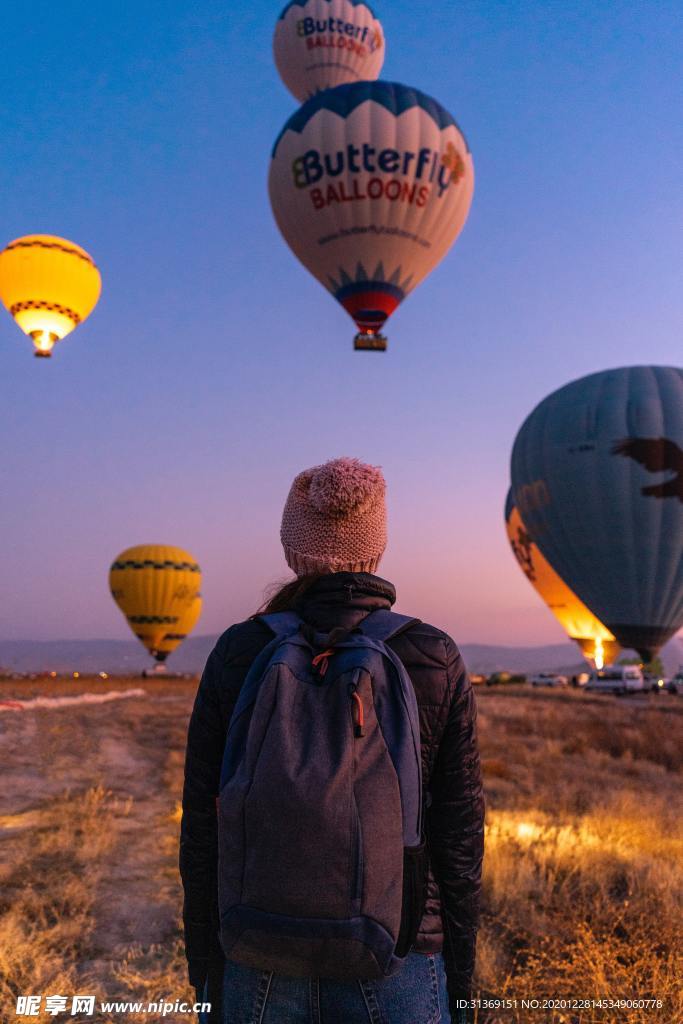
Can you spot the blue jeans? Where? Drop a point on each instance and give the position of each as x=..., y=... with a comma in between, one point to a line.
x=416, y=994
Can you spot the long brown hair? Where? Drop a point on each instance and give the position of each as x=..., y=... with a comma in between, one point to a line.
x=284, y=597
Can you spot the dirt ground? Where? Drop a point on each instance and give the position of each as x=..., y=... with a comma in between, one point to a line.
x=583, y=880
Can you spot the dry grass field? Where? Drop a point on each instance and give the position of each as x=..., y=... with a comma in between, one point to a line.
x=583, y=878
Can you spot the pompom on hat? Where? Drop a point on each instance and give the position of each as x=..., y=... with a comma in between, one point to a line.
x=335, y=518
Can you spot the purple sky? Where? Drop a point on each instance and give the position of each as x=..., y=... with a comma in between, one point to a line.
x=215, y=367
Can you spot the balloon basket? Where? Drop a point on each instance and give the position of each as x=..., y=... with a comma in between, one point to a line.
x=367, y=342
x=43, y=343
x=158, y=669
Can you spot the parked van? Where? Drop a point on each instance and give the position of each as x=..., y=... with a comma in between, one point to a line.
x=617, y=679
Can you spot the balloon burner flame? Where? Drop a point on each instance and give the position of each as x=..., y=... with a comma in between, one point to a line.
x=599, y=656
x=44, y=342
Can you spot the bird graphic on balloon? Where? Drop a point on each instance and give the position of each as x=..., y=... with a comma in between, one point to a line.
x=656, y=455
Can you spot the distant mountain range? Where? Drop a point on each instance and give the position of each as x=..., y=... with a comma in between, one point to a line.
x=122, y=657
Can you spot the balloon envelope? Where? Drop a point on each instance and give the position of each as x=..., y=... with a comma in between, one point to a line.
x=597, y=474
x=322, y=43
x=157, y=587
x=595, y=641
x=49, y=285
x=370, y=185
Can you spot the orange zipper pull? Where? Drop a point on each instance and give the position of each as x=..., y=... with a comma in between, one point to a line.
x=358, y=714
x=321, y=661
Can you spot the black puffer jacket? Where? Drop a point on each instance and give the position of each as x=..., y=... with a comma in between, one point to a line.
x=455, y=823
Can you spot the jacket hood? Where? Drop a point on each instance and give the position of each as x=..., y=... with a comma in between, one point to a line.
x=344, y=598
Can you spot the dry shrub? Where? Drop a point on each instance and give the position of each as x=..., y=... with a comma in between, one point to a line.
x=46, y=912
x=583, y=880
x=90, y=897
x=152, y=973
x=602, y=724
x=582, y=884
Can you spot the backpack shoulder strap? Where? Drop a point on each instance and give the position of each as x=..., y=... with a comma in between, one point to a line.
x=281, y=623
x=385, y=625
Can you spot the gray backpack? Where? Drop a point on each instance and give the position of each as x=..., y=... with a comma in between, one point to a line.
x=320, y=836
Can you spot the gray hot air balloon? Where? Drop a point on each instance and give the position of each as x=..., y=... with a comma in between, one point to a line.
x=597, y=474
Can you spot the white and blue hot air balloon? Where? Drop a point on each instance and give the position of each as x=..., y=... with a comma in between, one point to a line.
x=370, y=185
x=319, y=44
x=597, y=474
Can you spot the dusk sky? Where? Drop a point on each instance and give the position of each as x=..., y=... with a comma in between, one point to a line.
x=215, y=367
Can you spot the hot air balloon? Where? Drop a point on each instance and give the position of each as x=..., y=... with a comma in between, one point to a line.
x=157, y=587
x=322, y=43
x=596, y=642
x=370, y=185
x=597, y=474
x=49, y=285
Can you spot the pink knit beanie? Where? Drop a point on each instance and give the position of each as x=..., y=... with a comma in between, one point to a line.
x=335, y=519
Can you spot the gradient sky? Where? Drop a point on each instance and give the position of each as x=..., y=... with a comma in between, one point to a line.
x=215, y=366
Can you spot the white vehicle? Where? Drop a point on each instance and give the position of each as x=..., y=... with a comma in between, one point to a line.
x=548, y=679
x=617, y=679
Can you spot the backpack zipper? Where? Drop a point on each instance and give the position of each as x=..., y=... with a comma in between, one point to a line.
x=358, y=721
x=358, y=716
x=357, y=885
x=357, y=710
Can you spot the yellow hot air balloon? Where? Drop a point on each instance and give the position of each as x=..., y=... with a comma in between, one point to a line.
x=157, y=587
x=594, y=639
x=49, y=285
